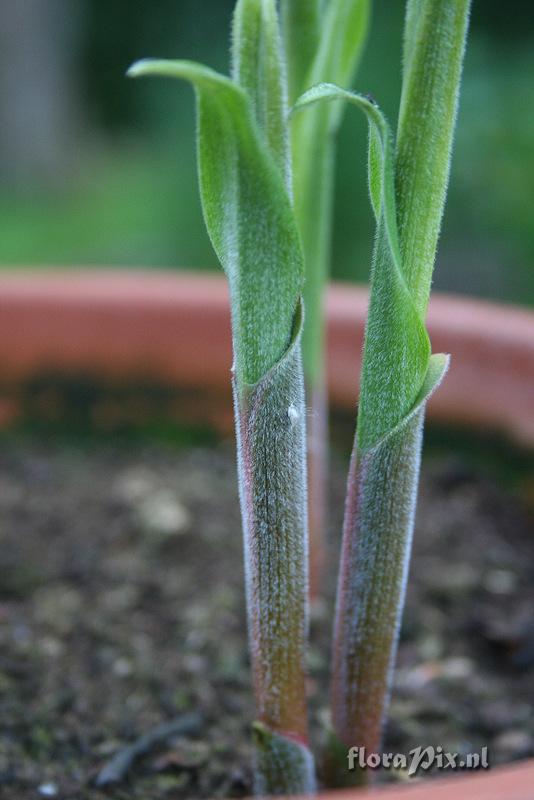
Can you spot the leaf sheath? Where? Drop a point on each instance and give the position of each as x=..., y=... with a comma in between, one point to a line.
x=270, y=420
x=379, y=515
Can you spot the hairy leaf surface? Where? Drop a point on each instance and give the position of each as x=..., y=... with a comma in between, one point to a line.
x=397, y=348
x=301, y=23
x=344, y=26
x=435, y=36
x=378, y=527
x=248, y=215
x=258, y=67
x=244, y=172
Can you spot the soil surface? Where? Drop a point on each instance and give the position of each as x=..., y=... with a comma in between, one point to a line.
x=121, y=608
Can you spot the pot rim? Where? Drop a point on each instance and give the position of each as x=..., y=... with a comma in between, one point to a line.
x=138, y=323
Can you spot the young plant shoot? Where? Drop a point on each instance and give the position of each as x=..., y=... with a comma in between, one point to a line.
x=247, y=176
x=245, y=184
x=407, y=187
x=323, y=43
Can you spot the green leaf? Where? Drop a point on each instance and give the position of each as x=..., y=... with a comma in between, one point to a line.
x=283, y=764
x=344, y=25
x=397, y=348
x=251, y=223
x=301, y=24
x=259, y=69
x=411, y=23
x=248, y=215
x=434, y=49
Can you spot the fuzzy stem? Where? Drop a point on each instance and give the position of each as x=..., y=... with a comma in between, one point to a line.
x=398, y=376
x=301, y=24
x=344, y=28
x=314, y=149
x=377, y=536
x=433, y=56
x=271, y=432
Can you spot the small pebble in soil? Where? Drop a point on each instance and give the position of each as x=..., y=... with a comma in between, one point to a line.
x=59, y=607
x=162, y=515
x=48, y=790
x=500, y=581
x=134, y=485
x=456, y=669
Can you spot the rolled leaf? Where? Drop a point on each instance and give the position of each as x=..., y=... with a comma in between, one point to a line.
x=411, y=24
x=258, y=68
x=248, y=216
x=435, y=36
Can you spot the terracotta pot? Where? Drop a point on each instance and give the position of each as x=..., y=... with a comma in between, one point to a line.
x=174, y=328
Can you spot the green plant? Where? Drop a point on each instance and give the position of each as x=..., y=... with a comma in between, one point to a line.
x=323, y=43
x=246, y=180
x=407, y=186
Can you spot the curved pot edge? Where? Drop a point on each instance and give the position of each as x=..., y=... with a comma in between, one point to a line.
x=135, y=323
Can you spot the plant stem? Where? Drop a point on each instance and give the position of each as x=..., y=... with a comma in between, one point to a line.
x=377, y=538
x=250, y=220
x=301, y=25
x=271, y=457
x=398, y=376
x=337, y=53
x=314, y=208
x=271, y=432
x=434, y=50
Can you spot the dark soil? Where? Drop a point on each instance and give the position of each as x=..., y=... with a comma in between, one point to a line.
x=121, y=607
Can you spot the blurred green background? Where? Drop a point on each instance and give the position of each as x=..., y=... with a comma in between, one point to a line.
x=99, y=170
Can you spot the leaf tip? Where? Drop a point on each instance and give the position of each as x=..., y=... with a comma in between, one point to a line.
x=139, y=69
